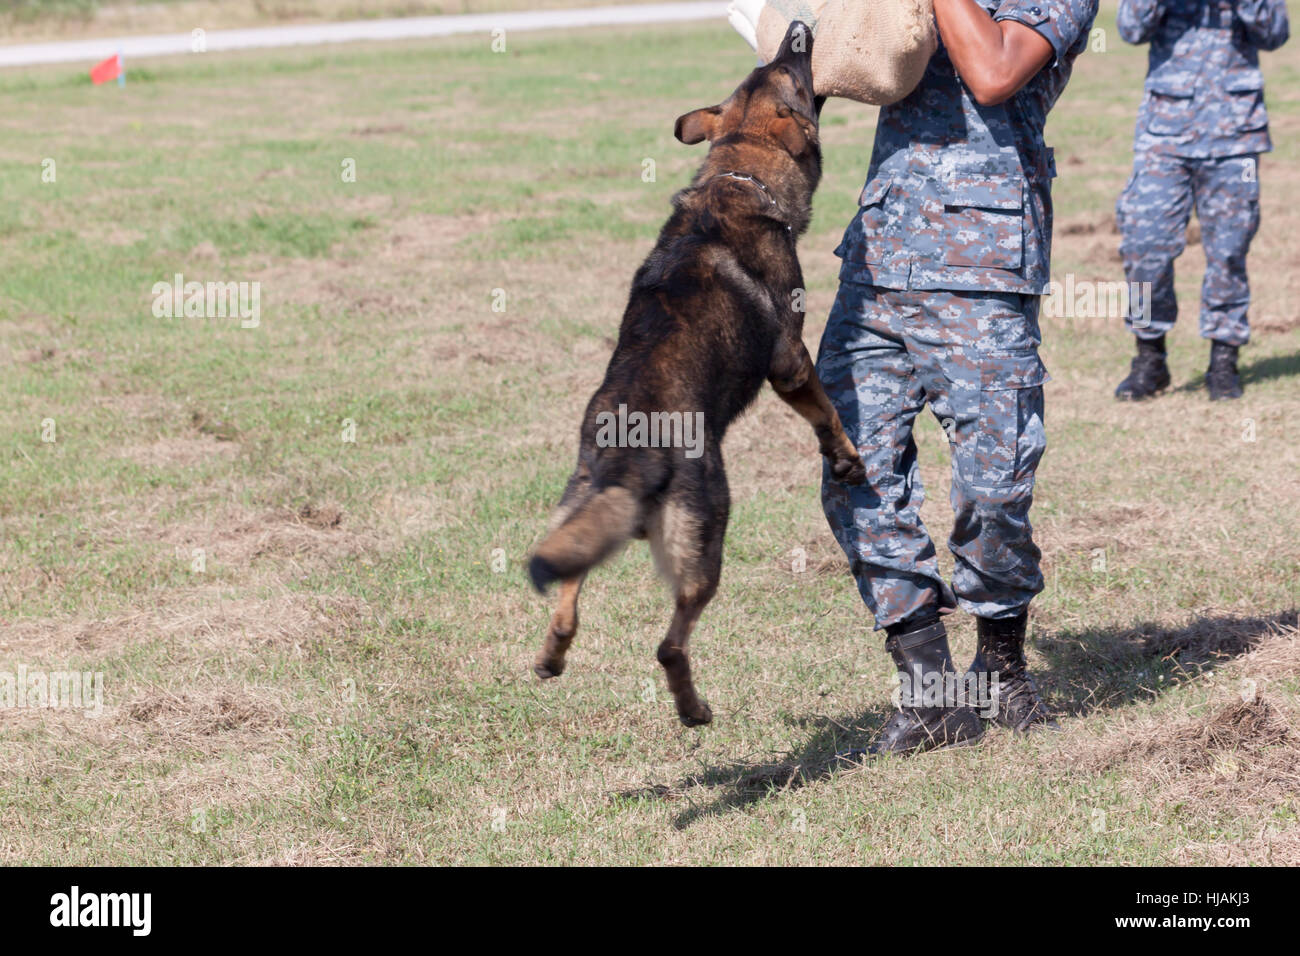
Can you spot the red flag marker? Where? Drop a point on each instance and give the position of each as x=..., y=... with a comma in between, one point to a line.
x=110, y=69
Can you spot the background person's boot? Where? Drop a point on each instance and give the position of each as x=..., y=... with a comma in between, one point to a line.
x=1148, y=374
x=1221, y=378
x=920, y=654
x=1001, y=652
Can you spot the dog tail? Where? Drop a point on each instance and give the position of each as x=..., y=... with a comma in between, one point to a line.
x=591, y=533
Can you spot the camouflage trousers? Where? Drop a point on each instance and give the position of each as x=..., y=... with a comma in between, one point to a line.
x=1153, y=211
x=973, y=358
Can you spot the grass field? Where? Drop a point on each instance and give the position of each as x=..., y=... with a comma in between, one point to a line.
x=310, y=653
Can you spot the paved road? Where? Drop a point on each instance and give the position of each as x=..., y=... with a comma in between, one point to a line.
x=92, y=51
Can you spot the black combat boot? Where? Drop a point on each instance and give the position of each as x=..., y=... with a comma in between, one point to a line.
x=924, y=665
x=1149, y=373
x=1000, y=666
x=1221, y=378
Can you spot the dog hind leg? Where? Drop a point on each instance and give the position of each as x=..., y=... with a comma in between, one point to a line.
x=688, y=550
x=564, y=625
x=564, y=622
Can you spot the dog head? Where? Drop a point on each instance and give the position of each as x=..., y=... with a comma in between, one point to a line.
x=775, y=103
x=768, y=126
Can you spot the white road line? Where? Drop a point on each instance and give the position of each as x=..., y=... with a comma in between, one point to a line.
x=91, y=51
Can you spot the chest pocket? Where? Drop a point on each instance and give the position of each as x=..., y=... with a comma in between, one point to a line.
x=1169, y=106
x=1245, y=94
x=983, y=222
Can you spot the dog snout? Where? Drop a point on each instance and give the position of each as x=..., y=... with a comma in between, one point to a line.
x=797, y=45
x=795, y=54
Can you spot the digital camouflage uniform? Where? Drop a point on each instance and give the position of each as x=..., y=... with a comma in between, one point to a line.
x=1200, y=130
x=938, y=304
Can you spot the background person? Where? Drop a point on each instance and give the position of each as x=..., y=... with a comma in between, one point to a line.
x=1200, y=130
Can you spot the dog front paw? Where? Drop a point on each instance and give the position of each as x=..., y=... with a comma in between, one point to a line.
x=849, y=471
x=696, y=714
x=548, y=667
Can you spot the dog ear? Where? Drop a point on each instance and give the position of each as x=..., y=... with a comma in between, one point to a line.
x=697, y=125
x=795, y=132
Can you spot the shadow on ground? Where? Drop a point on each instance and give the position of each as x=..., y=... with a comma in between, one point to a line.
x=1261, y=370
x=1089, y=670
x=1275, y=366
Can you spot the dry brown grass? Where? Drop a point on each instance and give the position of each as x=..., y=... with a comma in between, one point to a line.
x=1238, y=731
x=1234, y=767
x=201, y=712
x=194, y=622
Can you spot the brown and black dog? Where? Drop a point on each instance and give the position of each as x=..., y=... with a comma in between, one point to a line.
x=714, y=311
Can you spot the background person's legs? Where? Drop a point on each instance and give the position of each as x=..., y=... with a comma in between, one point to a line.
x=1152, y=214
x=1227, y=207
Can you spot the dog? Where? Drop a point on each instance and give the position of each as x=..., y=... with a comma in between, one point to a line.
x=714, y=311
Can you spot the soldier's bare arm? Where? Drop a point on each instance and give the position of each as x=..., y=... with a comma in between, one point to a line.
x=993, y=58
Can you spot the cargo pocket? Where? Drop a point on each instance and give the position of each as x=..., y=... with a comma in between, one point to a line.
x=1245, y=89
x=984, y=222
x=1010, y=434
x=1169, y=106
x=877, y=244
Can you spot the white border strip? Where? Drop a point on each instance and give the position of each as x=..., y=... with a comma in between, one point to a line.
x=170, y=44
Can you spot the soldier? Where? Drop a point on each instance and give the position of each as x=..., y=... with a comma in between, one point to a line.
x=938, y=304
x=1200, y=130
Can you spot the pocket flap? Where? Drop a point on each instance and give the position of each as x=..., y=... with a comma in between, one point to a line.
x=1000, y=370
x=1180, y=87
x=874, y=191
x=1001, y=192
x=1244, y=81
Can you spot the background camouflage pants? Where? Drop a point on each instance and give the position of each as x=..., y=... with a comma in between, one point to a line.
x=973, y=358
x=1153, y=211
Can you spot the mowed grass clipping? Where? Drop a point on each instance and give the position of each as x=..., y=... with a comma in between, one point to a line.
x=295, y=552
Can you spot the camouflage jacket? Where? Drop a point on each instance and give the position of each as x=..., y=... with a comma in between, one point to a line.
x=958, y=195
x=1204, y=93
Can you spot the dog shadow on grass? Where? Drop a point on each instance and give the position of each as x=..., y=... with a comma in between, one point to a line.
x=1089, y=670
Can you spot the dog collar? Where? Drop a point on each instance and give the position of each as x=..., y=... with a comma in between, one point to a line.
x=750, y=178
